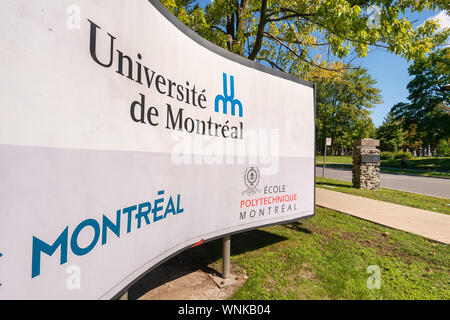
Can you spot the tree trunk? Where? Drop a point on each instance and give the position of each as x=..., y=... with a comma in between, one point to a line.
x=230, y=31
x=236, y=28
x=259, y=34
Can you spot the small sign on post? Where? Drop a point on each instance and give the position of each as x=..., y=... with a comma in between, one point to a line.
x=327, y=143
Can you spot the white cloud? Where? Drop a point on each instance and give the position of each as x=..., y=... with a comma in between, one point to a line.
x=444, y=19
x=444, y=22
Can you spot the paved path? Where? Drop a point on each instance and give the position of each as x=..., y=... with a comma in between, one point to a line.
x=428, y=224
x=438, y=187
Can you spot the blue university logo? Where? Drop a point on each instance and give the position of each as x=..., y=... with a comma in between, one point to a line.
x=228, y=98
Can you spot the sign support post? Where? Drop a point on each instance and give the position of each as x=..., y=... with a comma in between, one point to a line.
x=124, y=296
x=324, y=157
x=327, y=143
x=227, y=278
x=226, y=244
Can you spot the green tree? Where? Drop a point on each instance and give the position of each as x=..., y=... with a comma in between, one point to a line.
x=299, y=36
x=411, y=137
x=391, y=134
x=428, y=106
x=443, y=147
x=343, y=109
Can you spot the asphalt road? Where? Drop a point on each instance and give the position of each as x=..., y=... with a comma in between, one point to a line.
x=432, y=186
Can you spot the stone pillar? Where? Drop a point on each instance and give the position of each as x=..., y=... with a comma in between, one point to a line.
x=366, y=164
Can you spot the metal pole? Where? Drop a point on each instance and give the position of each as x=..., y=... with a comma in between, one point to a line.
x=324, y=158
x=124, y=296
x=226, y=257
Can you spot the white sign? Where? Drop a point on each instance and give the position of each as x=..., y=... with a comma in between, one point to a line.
x=125, y=139
x=328, y=141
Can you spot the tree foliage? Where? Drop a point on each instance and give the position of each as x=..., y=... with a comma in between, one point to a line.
x=343, y=109
x=391, y=134
x=443, y=148
x=428, y=108
x=312, y=38
x=300, y=36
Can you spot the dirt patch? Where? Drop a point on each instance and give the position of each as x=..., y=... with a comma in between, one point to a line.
x=306, y=272
x=185, y=277
x=196, y=285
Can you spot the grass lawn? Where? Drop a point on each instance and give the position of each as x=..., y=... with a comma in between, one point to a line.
x=332, y=256
x=418, y=172
x=337, y=159
x=425, y=166
x=399, y=197
x=327, y=257
x=421, y=163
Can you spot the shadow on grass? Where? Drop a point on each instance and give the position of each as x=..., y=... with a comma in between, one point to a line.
x=298, y=226
x=198, y=258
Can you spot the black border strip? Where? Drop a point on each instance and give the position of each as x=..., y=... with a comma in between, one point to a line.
x=222, y=52
x=248, y=63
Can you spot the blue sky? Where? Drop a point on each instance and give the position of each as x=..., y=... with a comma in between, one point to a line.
x=391, y=73
x=389, y=70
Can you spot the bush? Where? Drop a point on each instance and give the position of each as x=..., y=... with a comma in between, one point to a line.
x=399, y=155
x=443, y=148
x=387, y=155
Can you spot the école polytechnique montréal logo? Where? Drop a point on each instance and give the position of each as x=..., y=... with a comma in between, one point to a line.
x=251, y=180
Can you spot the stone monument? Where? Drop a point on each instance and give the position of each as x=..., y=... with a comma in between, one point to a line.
x=366, y=164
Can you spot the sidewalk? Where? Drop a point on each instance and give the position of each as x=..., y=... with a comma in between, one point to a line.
x=428, y=224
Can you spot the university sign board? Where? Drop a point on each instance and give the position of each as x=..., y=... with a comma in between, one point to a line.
x=125, y=138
